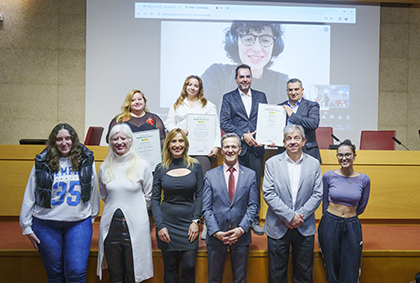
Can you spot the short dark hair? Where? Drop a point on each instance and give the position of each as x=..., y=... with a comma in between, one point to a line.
x=242, y=66
x=242, y=27
x=294, y=80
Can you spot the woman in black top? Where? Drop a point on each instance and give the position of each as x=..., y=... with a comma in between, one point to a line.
x=177, y=215
x=137, y=116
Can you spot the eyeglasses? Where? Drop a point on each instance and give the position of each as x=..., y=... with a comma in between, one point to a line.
x=347, y=155
x=249, y=39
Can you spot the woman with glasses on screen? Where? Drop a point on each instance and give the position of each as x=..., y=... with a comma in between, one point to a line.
x=346, y=194
x=256, y=44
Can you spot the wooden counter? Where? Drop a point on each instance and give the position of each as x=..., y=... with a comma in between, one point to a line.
x=395, y=178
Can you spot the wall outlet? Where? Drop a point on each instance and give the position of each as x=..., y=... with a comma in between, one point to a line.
x=1, y=17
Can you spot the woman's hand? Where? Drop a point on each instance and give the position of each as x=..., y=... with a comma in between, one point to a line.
x=34, y=240
x=214, y=151
x=164, y=235
x=193, y=232
x=185, y=131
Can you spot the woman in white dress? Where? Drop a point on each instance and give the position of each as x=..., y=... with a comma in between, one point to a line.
x=125, y=183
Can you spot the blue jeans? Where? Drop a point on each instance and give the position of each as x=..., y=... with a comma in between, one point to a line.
x=64, y=248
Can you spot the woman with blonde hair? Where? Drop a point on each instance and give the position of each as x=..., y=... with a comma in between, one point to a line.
x=125, y=183
x=177, y=215
x=136, y=115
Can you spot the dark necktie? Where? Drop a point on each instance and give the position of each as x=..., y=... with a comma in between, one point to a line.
x=231, y=183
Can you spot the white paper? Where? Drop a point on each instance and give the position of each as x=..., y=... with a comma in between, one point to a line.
x=147, y=145
x=270, y=124
x=201, y=133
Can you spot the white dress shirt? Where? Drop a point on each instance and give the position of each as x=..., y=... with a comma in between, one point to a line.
x=294, y=176
x=247, y=101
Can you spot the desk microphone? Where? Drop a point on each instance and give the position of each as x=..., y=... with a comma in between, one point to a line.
x=398, y=142
x=335, y=138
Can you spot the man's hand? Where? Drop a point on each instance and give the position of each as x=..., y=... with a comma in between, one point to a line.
x=296, y=221
x=249, y=139
x=289, y=110
x=222, y=236
x=234, y=235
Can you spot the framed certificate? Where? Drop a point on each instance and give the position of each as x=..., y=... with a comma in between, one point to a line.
x=270, y=124
x=147, y=145
x=201, y=133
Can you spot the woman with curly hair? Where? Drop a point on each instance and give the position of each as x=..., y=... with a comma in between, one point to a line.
x=60, y=205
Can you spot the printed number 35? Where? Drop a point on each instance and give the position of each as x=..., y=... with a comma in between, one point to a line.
x=73, y=199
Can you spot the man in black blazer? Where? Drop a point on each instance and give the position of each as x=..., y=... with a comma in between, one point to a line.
x=302, y=112
x=238, y=115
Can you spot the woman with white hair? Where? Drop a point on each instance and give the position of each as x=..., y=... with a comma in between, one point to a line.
x=125, y=183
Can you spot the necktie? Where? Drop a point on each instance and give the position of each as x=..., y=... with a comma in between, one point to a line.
x=231, y=183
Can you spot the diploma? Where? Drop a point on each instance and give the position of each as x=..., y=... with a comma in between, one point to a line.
x=201, y=133
x=147, y=145
x=270, y=123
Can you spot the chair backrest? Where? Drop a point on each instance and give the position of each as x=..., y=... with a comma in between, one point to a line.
x=377, y=140
x=94, y=135
x=323, y=137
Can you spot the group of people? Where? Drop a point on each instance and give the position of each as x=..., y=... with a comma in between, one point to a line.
x=61, y=199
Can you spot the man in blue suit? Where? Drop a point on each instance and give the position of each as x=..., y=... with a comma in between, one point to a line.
x=292, y=189
x=302, y=112
x=238, y=115
x=230, y=204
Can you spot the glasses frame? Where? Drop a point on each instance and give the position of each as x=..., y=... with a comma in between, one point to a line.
x=259, y=39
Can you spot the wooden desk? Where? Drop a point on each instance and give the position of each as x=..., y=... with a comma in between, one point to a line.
x=395, y=178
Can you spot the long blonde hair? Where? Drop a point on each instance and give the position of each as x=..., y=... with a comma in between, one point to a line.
x=167, y=155
x=183, y=95
x=108, y=167
x=126, y=107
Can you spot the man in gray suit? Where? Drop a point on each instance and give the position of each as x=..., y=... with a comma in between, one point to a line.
x=292, y=189
x=230, y=204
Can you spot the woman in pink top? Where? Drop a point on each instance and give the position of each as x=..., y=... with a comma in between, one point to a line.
x=346, y=193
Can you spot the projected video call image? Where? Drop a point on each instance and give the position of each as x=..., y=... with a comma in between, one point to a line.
x=212, y=50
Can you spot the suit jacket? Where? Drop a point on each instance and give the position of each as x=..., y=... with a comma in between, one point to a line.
x=222, y=215
x=233, y=117
x=277, y=195
x=307, y=116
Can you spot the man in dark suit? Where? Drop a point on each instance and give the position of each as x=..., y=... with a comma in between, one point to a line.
x=302, y=112
x=230, y=204
x=292, y=189
x=238, y=115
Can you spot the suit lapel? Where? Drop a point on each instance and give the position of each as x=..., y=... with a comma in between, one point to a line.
x=238, y=100
x=222, y=184
x=254, y=104
x=303, y=170
x=239, y=185
x=284, y=171
x=302, y=107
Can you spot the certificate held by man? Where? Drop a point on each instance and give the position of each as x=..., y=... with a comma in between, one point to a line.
x=201, y=133
x=270, y=124
x=147, y=145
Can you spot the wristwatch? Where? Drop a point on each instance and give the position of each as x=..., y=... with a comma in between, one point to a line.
x=197, y=221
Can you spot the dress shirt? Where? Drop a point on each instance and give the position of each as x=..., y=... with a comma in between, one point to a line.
x=246, y=100
x=294, y=109
x=227, y=173
x=294, y=176
x=178, y=118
